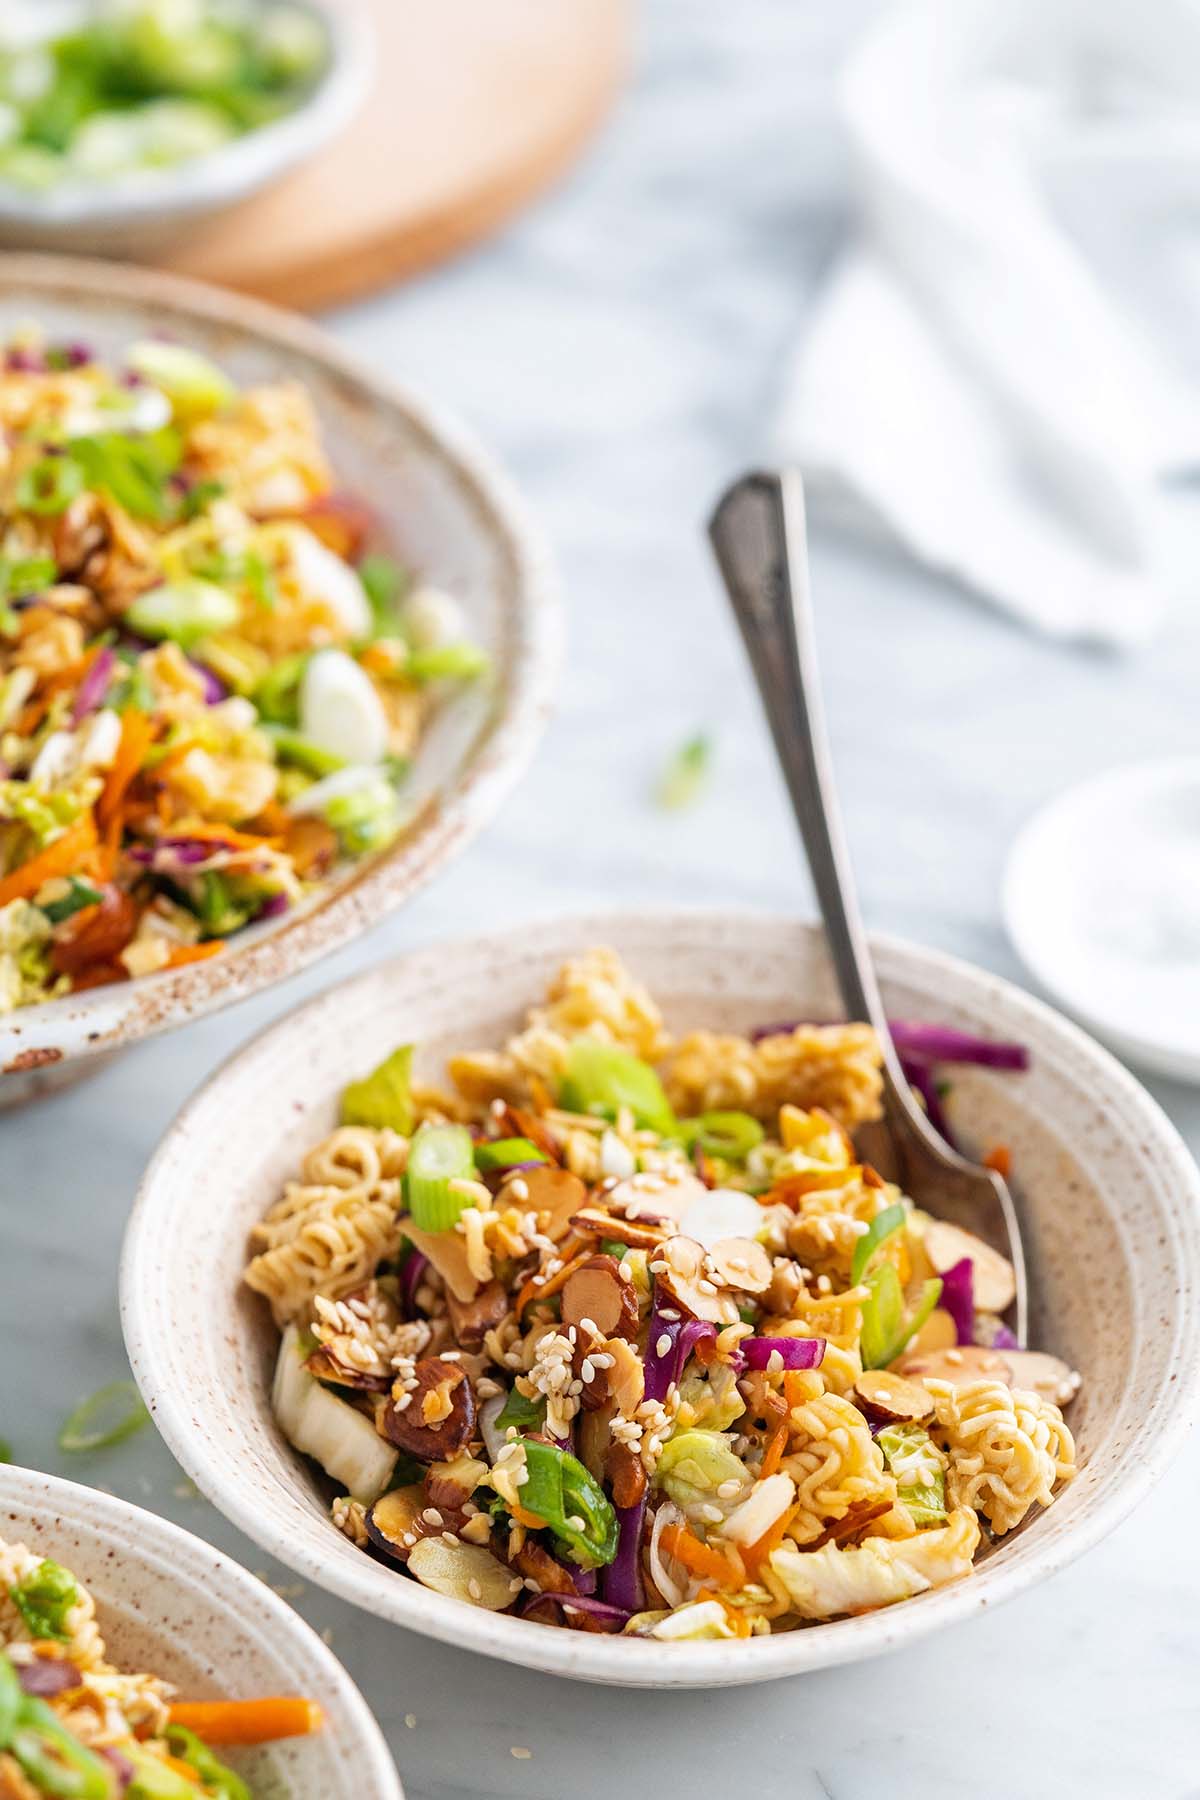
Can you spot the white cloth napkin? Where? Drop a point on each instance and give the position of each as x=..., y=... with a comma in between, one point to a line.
x=1006, y=364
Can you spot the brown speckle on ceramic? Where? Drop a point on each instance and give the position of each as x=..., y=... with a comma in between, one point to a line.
x=173, y=1606
x=1108, y=1193
x=446, y=509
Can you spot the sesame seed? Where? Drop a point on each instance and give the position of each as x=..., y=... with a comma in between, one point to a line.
x=519, y=1188
x=669, y=1313
x=432, y=1516
x=588, y=1369
x=520, y=1752
x=727, y=1489
x=664, y=1344
x=410, y=1719
x=474, y=1589
x=576, y=1522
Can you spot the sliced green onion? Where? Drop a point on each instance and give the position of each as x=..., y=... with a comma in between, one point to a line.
x=107, y=1417
x=885, y=1330
x=685, y=774
x=614, y=1247
x=384, y=583
x=214, y=1776
x=438, y=1155
x=573, y=1504
x=729, y=1135
x=49, y=487
x=12, y=1696
x=134, y=470
x=521, y=1411
x=184, y=611
x=502, y=1153
x=883, y=1226
x=601, y=1079
x=6, y=1451
x=28, y=575
x=80, y=893
x=44, y=1598
x=293, y=747
x=277, y=695
x=199, y=497
x=448, y=662
x=383, y=1099
x=53, y=1757
x=194, y=385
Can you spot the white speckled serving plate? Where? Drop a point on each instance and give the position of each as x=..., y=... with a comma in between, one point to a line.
x=1109, y=1198
x=443, y=508
x=173, y=1606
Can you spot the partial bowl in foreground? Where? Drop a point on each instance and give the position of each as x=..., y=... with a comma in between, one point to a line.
x=1108, y=1194
x=445, y=510
x=170, y=1605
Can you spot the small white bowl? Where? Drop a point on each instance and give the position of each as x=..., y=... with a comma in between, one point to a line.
x=140, y=212
x=1109, y=1198
x=456, y=518
x=1100, y=901
x=173, y=1606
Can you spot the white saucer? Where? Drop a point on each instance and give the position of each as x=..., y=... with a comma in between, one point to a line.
x=1102, y=903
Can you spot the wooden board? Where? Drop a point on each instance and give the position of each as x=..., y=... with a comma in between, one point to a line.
x=475, y=106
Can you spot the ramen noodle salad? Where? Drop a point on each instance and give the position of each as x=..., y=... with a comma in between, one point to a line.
x=72, y=1725
x=211, y=685
x=620, y=1334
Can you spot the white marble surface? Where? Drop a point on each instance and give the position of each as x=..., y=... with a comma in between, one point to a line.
x=620, y=349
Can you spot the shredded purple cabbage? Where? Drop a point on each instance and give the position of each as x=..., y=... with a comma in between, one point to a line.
x=920, y=1076
x=95, y=684
x=943, y=1043
x=214, y=688
x=411, y=1271
x=796, y=1352
x=124, y=1768
x=682, y=1335
x=275, y=907
x=45, y=1679
x=958, y=1298
x=600, y=1609
x=621, y=1580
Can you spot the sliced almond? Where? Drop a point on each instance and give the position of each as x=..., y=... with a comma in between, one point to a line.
x=663, y=1195
x=740, y=1262
x=965, y=1362
x=939, y=1332
x=626, y=1378
x=1037, y=1372
x=465, y=1571
x=637, y=1234
x=894, y=1399
x=680, y=1269
x=471, y=1320
x=597, y=1297
x=623, y=1467
x=447, y=1251
x=995, y=1285
x=553, y=1194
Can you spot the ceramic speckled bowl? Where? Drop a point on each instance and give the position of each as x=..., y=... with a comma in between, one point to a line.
x=175, y=1607
x=1110, y=1202
x=446, y=511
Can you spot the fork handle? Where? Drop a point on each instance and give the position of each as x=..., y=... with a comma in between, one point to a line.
x=758, y=534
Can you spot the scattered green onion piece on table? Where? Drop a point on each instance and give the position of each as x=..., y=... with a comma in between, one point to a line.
x=438, y=1155
x=109, y=1416
x=383, y=1099
x=448, y=662
x=883, y=1226
x=600, y=1079
x=49, y=486
x=502, y=1153
x=729, y=1135
x=686, y=773
x=574, y=1506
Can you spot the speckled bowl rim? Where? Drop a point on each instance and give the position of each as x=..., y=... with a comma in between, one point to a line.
x=221, y=177
x=248, y=1602
x=642, y=1663
x=104, y=1019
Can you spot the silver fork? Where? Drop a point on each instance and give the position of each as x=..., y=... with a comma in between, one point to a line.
x=758, y=534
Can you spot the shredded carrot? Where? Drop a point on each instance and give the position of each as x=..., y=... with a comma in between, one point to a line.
x=793, y=1388
x=247, y=1721
x=225, y=834
x=137, y=735
x=999, y=1159
x=62, y=857
x=774, y=1452
x=192, y=953
x=701, y=1559
x=755, y=1554
x=534, y=1290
